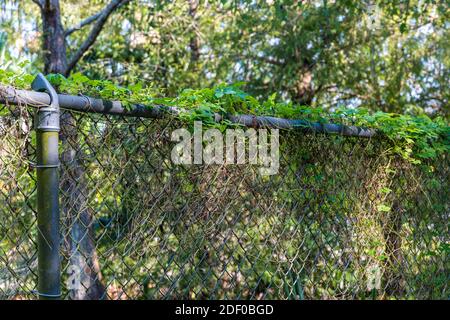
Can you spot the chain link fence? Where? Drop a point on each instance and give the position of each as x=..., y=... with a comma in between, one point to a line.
x=342, y=219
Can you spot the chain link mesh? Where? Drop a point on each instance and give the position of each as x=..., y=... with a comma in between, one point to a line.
x=342, y=219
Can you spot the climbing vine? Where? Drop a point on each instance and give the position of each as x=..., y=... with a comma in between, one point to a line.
x=414, y=137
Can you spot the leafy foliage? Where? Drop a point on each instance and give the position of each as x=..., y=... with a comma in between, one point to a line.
x=413, y=137
x=391, y=56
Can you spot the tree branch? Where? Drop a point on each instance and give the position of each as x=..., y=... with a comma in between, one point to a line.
x=266, y=59
x=38, y=2
x=88, y=20
x=96, y=29
x=83, y=23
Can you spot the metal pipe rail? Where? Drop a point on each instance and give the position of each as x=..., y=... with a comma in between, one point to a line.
x=88, y=104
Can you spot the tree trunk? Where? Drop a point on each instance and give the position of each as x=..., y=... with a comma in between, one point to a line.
x=80, y=238
x=54, y=44
x=194, y=42
x=392, y=234
x=303, y=92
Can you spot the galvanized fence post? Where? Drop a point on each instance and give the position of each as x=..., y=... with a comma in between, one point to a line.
x=47, y=163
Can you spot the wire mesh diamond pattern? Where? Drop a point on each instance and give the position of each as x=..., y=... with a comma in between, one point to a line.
x=341, y=220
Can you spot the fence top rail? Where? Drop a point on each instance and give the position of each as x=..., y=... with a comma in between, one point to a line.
x=83, y=103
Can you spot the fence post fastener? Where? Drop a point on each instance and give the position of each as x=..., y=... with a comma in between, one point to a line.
x=47, y=163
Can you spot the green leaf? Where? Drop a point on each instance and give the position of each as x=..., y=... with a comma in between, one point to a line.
x=383, y=208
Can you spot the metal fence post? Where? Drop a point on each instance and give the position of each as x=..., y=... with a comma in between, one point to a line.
x=47, y=163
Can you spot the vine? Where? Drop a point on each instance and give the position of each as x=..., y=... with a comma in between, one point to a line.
x=413, y=137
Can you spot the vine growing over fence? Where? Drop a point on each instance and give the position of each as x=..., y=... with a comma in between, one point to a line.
x=414, y=137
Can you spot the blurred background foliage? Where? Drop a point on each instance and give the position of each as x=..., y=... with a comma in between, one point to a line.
x=384, y=55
